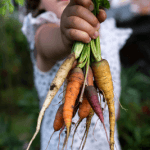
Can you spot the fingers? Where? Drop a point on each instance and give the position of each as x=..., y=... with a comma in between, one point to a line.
x=83, y=13
x=81, y=24
x=85, y=3
x=77, y=35
x=83, y=30
x=88, y=5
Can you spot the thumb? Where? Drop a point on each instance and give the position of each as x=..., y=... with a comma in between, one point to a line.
x=102, y=15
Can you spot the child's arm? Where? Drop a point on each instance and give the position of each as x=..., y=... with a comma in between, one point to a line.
x=77, y=23
x=49, y=46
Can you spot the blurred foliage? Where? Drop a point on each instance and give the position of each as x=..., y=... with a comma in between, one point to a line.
x=19, y=106
x=7, y=6
x=133, y=125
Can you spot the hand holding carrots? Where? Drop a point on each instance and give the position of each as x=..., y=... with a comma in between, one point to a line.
x=78, y=23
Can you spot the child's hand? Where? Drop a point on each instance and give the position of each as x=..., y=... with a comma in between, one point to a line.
x=78, y=23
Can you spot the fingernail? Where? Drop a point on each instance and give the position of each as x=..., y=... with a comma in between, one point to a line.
x=96, y=34
x=91, y=7
x=98, y=26
x=89, y=40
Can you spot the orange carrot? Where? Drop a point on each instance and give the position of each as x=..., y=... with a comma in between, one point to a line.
x=103, y=79
x=90, y=77
x=75, y=82
x=58, y=122
x=84, y=110
x=74, y=112
x=84, y=107
x=73, y=66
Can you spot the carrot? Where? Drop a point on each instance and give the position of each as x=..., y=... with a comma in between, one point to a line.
x=84, y=107
x=74, y=112
x=55, y=86
x=58, y=122
x=84, y=110
x=65, y=82
x=88, y=123
x=75, y=82
x=92, y=97
x=73, y=66
x=90, y=77
x=76, y=106
x=64, y=90
x=103, y=79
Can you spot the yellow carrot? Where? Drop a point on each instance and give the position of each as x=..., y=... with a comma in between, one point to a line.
x=103, y=79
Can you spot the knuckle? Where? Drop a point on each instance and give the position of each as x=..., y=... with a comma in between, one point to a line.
x=74, y=20
x=86, y=3
x=86, y=37
x=91, y=31
x=78, y=8
x=95, y=21
x=89, y=2
x=72, y=33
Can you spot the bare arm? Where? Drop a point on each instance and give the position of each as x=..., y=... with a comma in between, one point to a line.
x=49, y=46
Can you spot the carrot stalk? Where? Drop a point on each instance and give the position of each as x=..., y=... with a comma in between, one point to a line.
x=86, y=72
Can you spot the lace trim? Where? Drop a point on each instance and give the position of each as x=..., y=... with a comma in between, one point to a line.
x=30, y=24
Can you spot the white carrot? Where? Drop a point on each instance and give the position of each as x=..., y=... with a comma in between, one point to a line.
x=55, y=86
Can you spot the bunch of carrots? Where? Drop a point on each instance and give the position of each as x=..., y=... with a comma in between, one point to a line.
x=84, y=73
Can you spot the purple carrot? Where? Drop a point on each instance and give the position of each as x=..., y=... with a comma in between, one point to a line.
x=92, y=97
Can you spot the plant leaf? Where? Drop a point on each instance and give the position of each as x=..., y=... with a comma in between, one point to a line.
x=103, y=3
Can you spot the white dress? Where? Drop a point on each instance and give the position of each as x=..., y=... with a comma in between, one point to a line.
x=112, y=40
